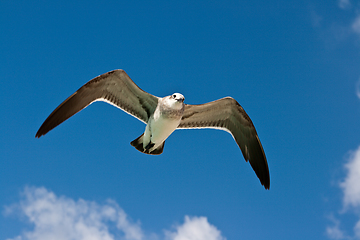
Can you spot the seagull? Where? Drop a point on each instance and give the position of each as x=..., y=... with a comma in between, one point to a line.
x=164, y=115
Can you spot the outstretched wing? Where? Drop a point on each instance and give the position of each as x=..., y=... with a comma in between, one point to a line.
x=113, y=87
x=227, y=114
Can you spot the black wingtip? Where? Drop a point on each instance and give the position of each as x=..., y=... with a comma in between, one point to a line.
x=267, y=184
x=42, y=130
x=38, y=135
x=264, y=177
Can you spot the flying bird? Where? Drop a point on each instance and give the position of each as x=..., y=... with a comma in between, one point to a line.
x=164, y=115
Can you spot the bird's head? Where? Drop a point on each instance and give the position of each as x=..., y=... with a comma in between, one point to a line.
x=175, y=100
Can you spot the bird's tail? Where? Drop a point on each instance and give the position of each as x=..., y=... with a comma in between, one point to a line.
x=138, y=144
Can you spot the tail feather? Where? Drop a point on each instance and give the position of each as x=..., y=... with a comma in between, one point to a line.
x=138, y=144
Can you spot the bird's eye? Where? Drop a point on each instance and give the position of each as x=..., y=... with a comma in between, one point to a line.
x=174, y=95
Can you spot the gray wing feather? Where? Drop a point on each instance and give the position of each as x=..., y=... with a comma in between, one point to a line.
x=114, y=87
x=228, y=115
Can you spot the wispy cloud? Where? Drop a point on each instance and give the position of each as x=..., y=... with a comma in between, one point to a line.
x=315, y=18
x=334, y=231
x=337, y=30
x=351, y=184
x=355, y=26
x=344, y=4
x=357, y=88
x=351, y=198
x=62, y=218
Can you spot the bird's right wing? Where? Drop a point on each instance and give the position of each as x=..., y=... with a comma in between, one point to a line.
x=114, y=87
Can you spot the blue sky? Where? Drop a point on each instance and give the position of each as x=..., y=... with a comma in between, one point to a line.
x=293, y=65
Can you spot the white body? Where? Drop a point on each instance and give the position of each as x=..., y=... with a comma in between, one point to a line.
x=164, y=121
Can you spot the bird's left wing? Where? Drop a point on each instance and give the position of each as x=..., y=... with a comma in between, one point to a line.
x=227, y=114
x=114, y=87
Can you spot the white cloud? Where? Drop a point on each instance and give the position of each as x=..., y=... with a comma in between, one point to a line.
x=334, y=231
x=355, y=26
x=333, y=31
x=196, y=228
x=357, y=229
x=358, y=89
x=350, y=187
x=62, y=218
x=344, y=4
x=316, y=19
x=351, y=184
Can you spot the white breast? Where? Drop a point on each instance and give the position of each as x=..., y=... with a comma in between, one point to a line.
x=161, y=129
